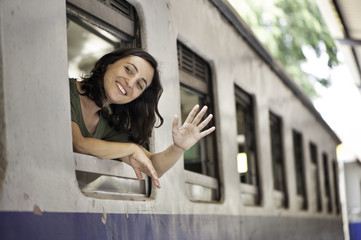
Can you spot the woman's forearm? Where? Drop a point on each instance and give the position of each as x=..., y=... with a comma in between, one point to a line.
x=103, y=149
x=163, y=161
x=100, y=148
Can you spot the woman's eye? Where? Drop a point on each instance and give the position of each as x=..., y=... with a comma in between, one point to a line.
x=139, y=85
x=128, y=70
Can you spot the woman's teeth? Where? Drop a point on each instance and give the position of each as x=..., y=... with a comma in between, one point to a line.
x=121, y=89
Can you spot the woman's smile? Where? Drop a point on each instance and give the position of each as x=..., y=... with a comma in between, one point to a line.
x=121, y=89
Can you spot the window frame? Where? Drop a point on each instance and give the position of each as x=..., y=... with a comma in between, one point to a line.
x=98, y=15
x=316, y=164
x=280, y=196
x=300, y=177
x=250, y=187
x=327, y=182
x=336, y=186
x=195, y=79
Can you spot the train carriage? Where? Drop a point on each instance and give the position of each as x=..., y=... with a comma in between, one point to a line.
x=267, y=172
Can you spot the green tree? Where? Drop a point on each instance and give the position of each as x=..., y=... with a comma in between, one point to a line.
x=286, y=27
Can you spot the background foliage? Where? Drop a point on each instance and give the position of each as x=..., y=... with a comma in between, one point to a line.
x=288, y=28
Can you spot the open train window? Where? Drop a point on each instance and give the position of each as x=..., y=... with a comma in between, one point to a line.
x=95, y=28
x=315, y=173
x=326, y=177
x=247, y=150
x=278, y=163
x=299, y=170
x=200, y=161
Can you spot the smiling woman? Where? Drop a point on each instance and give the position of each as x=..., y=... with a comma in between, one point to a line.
x=115, y=108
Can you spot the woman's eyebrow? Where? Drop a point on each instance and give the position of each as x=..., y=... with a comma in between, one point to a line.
x=145, y=81
x=136, y=69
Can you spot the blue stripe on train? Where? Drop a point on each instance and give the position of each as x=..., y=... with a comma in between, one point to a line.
x=355, y=230
x=68, y=226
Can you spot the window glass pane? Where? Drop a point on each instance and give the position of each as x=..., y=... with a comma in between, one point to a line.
x=327, y=182
x=299, y=168
x=246, y=142
x=277, y=153
x=86, y=44
x=194, y=158
x=279, y=179
x=316, y=176
x=335, y=177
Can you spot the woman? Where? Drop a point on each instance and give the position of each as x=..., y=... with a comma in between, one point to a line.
x=115, y=108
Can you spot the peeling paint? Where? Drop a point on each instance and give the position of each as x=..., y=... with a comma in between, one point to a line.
x=37, y=210
x=104, y=218
x=26, y=196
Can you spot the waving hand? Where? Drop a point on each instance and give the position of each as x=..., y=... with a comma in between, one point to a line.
x=191, y=130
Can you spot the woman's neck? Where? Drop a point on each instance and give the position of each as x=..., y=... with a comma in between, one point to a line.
x=89, y=107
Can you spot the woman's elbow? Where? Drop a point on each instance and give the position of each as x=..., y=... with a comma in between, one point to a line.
x=79, y=146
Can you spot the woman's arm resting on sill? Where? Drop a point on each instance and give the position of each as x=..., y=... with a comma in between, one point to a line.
x=130, y=153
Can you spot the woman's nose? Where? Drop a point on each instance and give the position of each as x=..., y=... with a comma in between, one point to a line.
x=131, y=82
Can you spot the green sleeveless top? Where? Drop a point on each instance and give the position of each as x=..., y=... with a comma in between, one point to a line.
x=103, y=130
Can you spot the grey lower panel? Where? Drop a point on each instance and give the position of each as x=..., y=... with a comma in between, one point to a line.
x=261, y=227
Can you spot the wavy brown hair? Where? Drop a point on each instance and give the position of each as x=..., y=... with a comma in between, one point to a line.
x=137, y=117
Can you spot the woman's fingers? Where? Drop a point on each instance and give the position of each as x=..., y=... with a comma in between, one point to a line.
x=138, y=173
x=199, y=116
x=192, y=114
x=152, y=173
x=144, y=164
x=208, y=131
x=205, y=122
x=175, y=125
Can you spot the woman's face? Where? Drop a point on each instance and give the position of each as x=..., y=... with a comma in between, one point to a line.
x=126, y=79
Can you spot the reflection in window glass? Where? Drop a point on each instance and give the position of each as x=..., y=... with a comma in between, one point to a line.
x=246, y=138
x=279, y=179
x=86, y=44
x=195, y=157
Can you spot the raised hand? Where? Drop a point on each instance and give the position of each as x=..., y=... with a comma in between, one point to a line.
x=191, y=130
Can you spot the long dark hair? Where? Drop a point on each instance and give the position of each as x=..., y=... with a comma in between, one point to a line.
x=137, y=117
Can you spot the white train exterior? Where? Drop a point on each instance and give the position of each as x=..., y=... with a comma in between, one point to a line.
x=291, y=193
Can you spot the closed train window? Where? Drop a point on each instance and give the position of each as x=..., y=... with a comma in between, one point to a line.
x=299, y=170
x=326, y=177
x=278, y=163
x=247, y=163
x=315, y=173
x=200, y=161
x=90, y=35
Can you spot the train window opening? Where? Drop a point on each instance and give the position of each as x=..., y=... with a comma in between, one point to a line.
x=299, y=170
x=315, y=173
x=247, y=151
x=336, y=182
x=200, y=161
x=88, y=39
x=279, y=179
x=328, y=200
